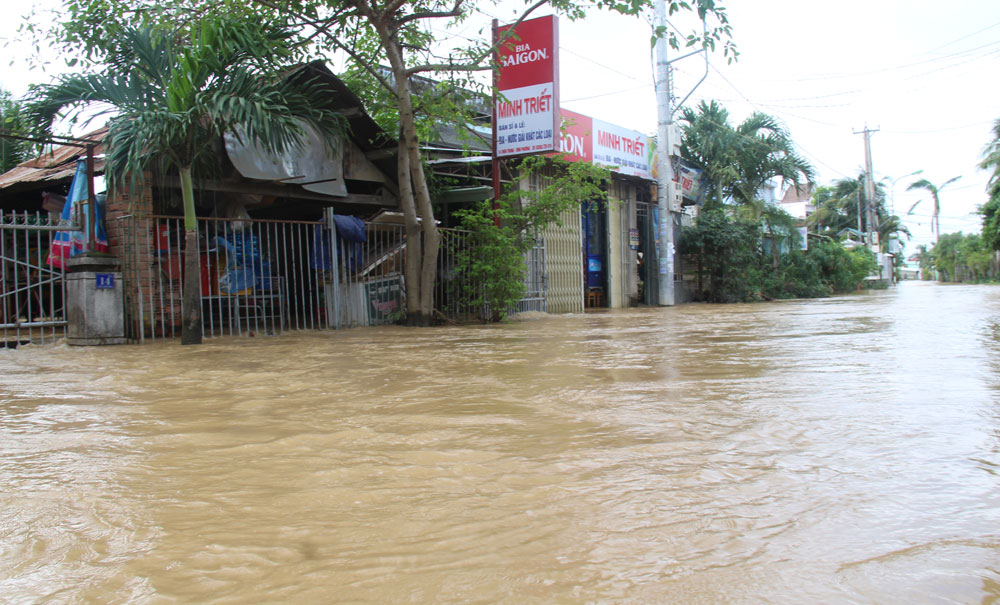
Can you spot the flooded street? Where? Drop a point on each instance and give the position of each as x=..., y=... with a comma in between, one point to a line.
x=836, y=450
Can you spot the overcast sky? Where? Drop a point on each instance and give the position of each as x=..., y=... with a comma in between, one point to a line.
x=923, y=73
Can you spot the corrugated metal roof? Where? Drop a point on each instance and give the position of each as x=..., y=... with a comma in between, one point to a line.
x=364, y=131
x=53, y=166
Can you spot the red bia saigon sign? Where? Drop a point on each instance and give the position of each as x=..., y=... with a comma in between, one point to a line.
x=526, y=110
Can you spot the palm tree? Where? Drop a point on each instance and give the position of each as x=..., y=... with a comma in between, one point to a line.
x=889, y=226
x=991, y=209
x=173, y=94
x=991, y=160
x=767, y=152
x=738, y=161
x=935, y=191
x=837, y=208
x=710, y=142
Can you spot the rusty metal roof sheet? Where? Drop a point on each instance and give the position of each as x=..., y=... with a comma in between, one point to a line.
x=53, y=166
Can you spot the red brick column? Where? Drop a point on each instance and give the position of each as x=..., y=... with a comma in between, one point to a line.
x=129, y=238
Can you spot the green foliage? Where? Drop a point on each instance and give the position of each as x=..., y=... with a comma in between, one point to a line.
x=492, y=268
x=12, y=120
x=991, y=209
x=739, y=160
x=729, y=256
x=172, y=94
x=734, y=268
x=560, y=185
x=991, y=222
x=964, y=258
x=840, y=269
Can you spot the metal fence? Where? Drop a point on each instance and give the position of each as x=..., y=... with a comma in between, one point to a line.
x=256, y=277
x=535, y=280
x=32, y=291
x=268, y=276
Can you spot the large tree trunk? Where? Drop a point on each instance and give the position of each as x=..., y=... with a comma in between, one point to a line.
x=414, y=249
x=414, y=200
x=432, y=237
x=191, y=318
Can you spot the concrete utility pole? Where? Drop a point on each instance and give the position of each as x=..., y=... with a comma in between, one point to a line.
x=665, y=193
x=871, y=212
x=665, y=180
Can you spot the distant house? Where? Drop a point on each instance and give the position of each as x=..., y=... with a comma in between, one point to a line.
x=852, y=238
x=797, y=201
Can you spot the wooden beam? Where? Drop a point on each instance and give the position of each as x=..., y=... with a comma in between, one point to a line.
x=381, y=154
x=270, y=189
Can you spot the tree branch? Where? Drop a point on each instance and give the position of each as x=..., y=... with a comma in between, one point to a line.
x=474, y=63
x=392, y=7
x=322, y=27
x=455, y=11
x=439, y=67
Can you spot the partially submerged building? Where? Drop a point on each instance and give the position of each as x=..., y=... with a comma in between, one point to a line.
x=309, y=239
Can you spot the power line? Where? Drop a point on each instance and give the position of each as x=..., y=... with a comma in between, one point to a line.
x=954, y=65
x=949, y=129
x=959, y=54
x=611, y=69
x=604, y=94
x=752, y=104
x=947, y=44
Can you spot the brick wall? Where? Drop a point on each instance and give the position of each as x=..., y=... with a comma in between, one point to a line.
x=130, y=239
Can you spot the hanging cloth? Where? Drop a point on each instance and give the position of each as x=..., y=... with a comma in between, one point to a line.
x=67, y=244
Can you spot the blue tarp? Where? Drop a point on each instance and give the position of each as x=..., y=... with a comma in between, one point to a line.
x=350, y=228
x=351, y=233
x=245, y=269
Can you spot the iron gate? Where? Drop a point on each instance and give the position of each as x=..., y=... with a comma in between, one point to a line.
x=33, y=293
x=535, y=279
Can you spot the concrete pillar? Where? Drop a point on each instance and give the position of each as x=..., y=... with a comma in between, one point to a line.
x=94, y=307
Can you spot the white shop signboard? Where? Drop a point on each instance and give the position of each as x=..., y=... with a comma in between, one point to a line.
x=526, y=112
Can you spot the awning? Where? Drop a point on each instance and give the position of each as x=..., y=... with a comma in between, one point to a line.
x=312, y=165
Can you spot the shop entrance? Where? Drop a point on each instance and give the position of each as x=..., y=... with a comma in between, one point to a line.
x=595, y=264
x=646, y=253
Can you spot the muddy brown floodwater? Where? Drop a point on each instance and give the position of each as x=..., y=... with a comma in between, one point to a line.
x=836, y=450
